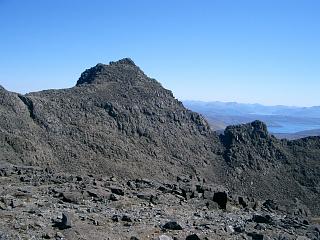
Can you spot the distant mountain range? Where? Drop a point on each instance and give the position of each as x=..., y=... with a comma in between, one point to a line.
x=283, y=121
x=297, y=135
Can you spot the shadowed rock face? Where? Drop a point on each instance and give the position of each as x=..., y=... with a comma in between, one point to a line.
x=117, y=121
x=264, y=166
x=251, y=146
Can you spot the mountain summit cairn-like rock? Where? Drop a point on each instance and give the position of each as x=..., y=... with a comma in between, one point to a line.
x=125, y=61
x=123, y=70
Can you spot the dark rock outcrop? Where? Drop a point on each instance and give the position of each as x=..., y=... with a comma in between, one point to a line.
x=262, y=165
x=124, y=71
x=251, y=146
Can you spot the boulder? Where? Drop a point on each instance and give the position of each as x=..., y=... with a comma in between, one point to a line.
x=262, y=219
x=172, y=226
x=192, y=237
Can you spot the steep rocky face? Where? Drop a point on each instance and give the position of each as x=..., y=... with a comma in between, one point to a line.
x=117, y=121
x=250, y=145
x=262, y=166
x=124, y=71
x=19, y=134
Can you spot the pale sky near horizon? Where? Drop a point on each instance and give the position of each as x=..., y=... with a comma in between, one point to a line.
x=247, y=51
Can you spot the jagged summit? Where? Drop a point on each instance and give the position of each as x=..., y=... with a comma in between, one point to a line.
x=251, y=145
x=253, y=130
x=126, y=61
x=123, y=70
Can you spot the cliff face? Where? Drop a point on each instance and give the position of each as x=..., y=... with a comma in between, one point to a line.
x=117, y=121
x=263, y=166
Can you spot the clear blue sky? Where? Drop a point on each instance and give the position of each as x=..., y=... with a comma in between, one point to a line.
x=258, y=51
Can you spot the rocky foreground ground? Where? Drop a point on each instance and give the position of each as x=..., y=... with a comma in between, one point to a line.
x=39, y=203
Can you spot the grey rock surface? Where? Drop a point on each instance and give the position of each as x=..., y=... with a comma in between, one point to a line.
x=39, y=212
x=120, y=124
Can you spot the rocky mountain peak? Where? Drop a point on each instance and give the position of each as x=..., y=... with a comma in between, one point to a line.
x=251, y=145
x=259, y=126
x=247, y=132
x=123, y=70
x=124, y=61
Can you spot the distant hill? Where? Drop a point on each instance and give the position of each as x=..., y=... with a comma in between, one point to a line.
x=283, y=121
x=234, y=108
x=297, y=135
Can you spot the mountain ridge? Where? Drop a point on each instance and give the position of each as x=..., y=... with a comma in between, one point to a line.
x=223, y=103
x=59, y=113
x=117, y=121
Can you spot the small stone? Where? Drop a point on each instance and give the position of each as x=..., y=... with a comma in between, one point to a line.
x=164, y=237
x=79, y=178
x=117, y=191
x=48, y=235
x=208, y=195
x=114, y=197
x=302, y=238
x=192, y=237
x=127, y=224
x=66, y=221
x=16, y=203
x=239, y=229
x=2, y=206
x=98, y=194
x=126, y=218
x=256, y=236
x=113, y=179
x=172, y=226
x=317, y=228
x=270, y=205
x=59, y=235
x=221, y=198
x=95, y=222
x=262, y=219
x=115, y=218
x=259, y=227
x=229, y=229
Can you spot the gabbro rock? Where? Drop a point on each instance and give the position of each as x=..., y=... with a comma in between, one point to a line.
x=164, y=237
x=193, y=237
x=65, y=222
x=45, y=216
x=119, y=122
x=115, y=121
x=262, y=219
x=172, y=226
